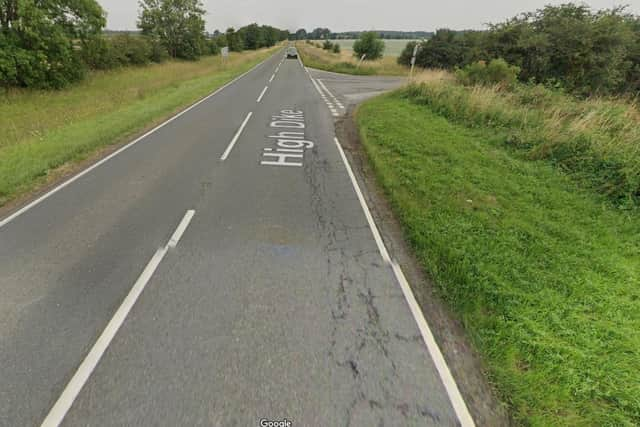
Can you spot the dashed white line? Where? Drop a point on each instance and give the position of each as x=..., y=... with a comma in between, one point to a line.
x=458, y=403
x=334, y=112
x=182, y=227
x=59, y=410
x=235, y=138
x=272, y=77
x=45, y=196
x=262, y=94
x=336, y=101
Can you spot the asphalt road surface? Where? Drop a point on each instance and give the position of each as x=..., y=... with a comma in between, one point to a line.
x=219, y=271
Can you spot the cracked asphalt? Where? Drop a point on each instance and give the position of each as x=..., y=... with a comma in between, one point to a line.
x=275, y=303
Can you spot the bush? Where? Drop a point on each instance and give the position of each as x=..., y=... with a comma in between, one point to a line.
x=38, y=41
x=327, y=45
x=102, y=53
x=212, y=47
x=158, y=51
x=497, y=72
x=131, y=50
x=369, y=44
x=407, y=54
x=336, y=48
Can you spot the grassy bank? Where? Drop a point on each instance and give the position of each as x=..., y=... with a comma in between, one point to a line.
x=596, y=141
x=544, y=273
x=44, y=132
x=344, y=62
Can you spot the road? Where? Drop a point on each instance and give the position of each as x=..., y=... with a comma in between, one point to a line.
x=220, y=270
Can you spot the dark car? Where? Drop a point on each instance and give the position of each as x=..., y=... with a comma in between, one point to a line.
x=292, y=53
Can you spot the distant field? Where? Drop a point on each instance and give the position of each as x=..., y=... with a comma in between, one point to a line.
x=392, y=47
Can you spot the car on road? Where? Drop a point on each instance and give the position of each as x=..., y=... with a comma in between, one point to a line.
x=292, y=52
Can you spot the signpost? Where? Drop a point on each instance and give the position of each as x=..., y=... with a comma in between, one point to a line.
x=224, y=52
x=413, y=60
x=361, y=59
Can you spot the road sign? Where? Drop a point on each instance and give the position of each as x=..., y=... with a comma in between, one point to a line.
x=225, y=51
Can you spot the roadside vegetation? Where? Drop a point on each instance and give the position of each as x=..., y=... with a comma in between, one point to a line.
x=72, y=89
x=314, y=55
x=570, y=46
x=45, y=132
x=543, y=271
x=50, y=45
x=515, y=170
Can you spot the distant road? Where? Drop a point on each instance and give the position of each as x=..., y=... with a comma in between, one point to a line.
x=219, y=271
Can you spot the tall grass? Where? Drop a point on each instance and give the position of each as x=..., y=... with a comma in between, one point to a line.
x=596, y=141
x=44, y=132
x=345, y=62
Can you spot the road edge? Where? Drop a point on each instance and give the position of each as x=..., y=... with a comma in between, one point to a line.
x=463, y=360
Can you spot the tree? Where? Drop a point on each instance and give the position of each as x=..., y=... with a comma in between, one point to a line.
x=37, y=40
x=234, y=40
x=301, y=34
x=369, y=44
x=253, y=37
x=177, y=24
x=320, y=33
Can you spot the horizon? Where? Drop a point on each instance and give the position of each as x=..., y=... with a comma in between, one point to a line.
x=409, y=15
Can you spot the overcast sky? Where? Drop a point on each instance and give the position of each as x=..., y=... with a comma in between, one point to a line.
x=344, y=15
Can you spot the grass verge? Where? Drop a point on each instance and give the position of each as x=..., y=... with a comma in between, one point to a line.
x=345, y=63
x=545, y=275
x=596, y=141
x=45, y=131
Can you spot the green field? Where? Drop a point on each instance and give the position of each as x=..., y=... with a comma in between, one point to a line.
x=45, y=132
x=392, y=47
x=545, y=274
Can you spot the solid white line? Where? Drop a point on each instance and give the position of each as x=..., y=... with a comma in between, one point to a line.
x=365, y=208
x=45, y=196
x=262, y=94
x=177, y=235
x=458, y=403
x=57, y=413
x=272, y=77
x=235, y=138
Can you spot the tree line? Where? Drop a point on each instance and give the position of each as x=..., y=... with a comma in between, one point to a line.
x=569, y=46
x=50, y=44
x=326, y=34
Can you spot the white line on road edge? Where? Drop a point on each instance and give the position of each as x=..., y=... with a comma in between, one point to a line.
x=334, y=113
x=336, y=100
x=70, y=393
x=458, y=403
x=235, y=138
x=272, y=77
x=262, y=94
x=45, y=196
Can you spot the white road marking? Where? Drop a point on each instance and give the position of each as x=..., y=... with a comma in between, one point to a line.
x=59, y=410
x=272, y=77
x=331, y=106
x=45, y=196
x=458, y=403
x=235, y=138
x=262, y=94
x=336, y=100
x=177, y=235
